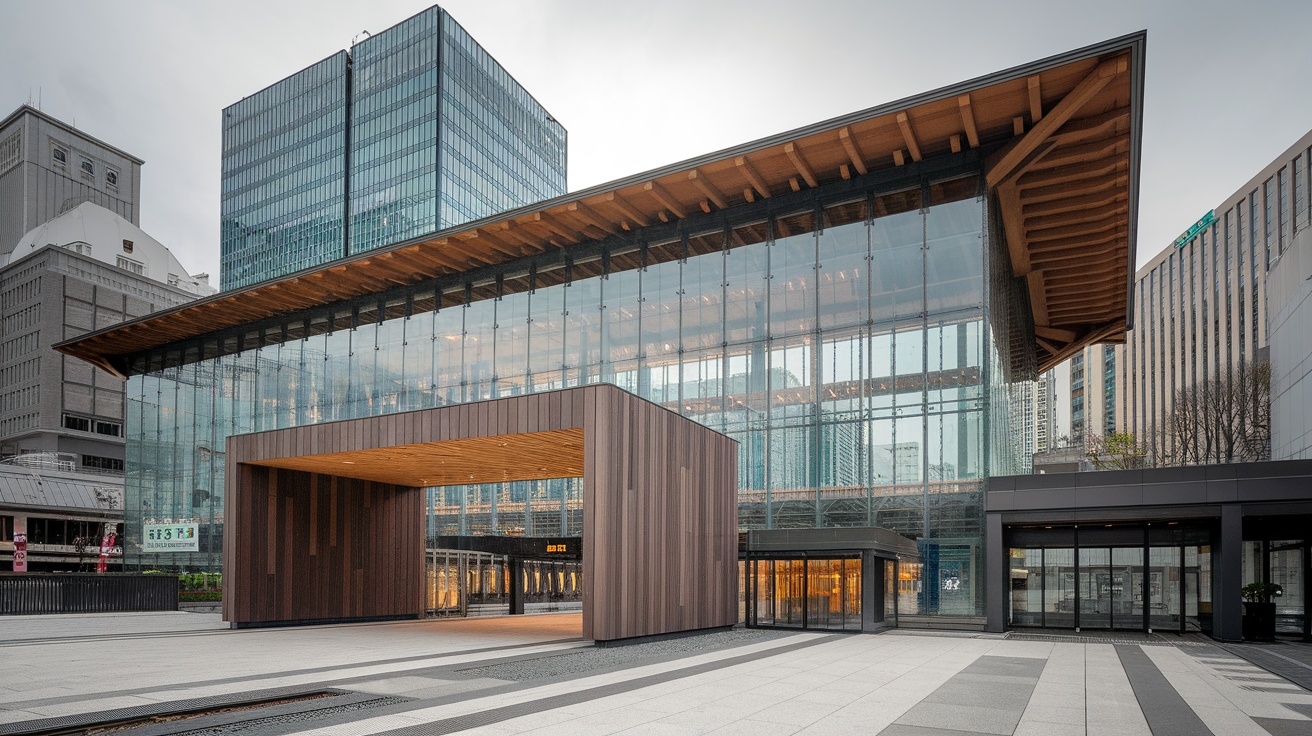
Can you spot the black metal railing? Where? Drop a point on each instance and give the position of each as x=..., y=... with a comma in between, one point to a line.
x=31, y=593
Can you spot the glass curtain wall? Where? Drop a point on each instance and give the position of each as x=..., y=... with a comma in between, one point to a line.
x=846, y=348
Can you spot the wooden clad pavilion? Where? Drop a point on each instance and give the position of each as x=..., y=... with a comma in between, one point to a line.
x=325, y=521
x=1058, y=141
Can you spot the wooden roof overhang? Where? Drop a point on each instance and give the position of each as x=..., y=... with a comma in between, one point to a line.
x=1062, y=142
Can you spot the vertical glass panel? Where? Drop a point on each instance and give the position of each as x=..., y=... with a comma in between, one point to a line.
x=480, y=348
x=547, y=336
x=512, y=344
x=792, y=276
x=764, y=602
x=1198, y=588
x=448, y=355
x=661, y=302
x=621, y=321
x=583, y=348
x=1026, y=587
x=1059, y=587
x=789, y=592
x=910, y=577
x=890, y=591
x=1095, y=588
x=1287, y=572
x=1165, y=589
x=1127, y=588
x=852, y=594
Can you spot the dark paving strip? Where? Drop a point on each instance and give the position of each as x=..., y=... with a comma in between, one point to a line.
x=900, y=729
x=235, y=721
x=1293, y=662
x=1166, y=712
x=1282, y=727
x=989, y=695
x=44, y=725
x=497, y=715
x=285, y=673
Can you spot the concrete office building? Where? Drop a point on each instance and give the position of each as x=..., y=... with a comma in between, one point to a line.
x=84, y=270
x=1201, y=305
x=48, y=167
x=64, y=514
x=882, y=279
x=414, y=130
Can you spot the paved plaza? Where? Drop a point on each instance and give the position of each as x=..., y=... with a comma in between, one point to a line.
x=532, y=674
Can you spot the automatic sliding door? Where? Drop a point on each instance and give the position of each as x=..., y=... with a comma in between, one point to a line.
x=1095, y=588
x=1059, y=587
x=1127, y=588
x=1164, y=589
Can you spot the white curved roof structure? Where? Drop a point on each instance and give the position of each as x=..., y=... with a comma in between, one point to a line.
x=94, y=231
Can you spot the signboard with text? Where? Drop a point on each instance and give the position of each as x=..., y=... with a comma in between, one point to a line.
x=20, y=552
x=170, y=538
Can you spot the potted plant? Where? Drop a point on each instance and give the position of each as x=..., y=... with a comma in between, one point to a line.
x=1259, y=622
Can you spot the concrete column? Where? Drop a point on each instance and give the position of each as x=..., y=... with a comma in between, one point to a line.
x=515, y=585
x=1227, y=569
x=996, y=582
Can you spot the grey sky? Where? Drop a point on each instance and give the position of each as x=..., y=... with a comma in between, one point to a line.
x=642, y=84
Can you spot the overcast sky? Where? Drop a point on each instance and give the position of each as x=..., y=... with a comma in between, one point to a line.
x=643, y=84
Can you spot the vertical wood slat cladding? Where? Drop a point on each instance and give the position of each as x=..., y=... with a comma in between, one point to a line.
x=365, y=562
x=659, y=515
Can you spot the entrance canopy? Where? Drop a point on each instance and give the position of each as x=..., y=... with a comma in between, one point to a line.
x=325, y=521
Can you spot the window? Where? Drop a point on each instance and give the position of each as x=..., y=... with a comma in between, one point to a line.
x=111, y=178
x=127, y=264
x=113, y=429
x=60, y=156
x=102, y=463
x=88, y=168
x=11, y=151
x=81, y=424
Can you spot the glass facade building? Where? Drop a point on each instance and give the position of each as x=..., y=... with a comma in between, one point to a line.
x=859, y=350
x=414, y=130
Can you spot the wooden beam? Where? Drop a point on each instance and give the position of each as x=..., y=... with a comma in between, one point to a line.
x=844, y=172
x=1071, y=204
x=1083, y=129
x=1049, y=194
x=750, y=174
x=1018, y=126
x=955, y=142
x=968, y=120
x=1052, y=349
x=749, y=194
x=550, y=224
x=705, y=205
x=1038, y=300
x=1052, y=333
x=898, y=158
x=623, y=207
x=908, y=135
x=587, y=215
x=853, y=153
x=799, y=163
x=1041, y=238
x=1086, y=152
x=666, y=200
x=794, y=184
x=708, y=189
x=1078, y=172
x=1086, y=90
x=1013, y=226
x=1036, y=100
x=1096, y=214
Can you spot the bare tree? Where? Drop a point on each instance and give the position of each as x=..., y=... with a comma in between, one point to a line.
x=1223, y=419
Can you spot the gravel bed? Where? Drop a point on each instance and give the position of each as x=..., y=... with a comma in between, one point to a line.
x=586, y=661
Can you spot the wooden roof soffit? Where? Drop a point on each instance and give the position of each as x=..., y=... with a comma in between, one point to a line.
x=1006, y=162
x=908, y=135
x=618, y=204
x=708, y=189
x=799, y=163
x=665, y=199
x=853, y=152
x=752, y=176
x=968, y=120
x=586, y=215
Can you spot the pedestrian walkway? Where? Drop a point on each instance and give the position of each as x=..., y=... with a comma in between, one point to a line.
x=533, y=675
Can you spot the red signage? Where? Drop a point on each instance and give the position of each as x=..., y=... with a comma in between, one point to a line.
x=106, y=544
x=20, y=552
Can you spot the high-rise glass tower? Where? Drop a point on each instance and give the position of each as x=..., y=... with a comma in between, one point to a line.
x=414, y=130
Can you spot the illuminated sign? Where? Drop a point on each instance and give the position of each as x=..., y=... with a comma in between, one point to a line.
x=1197, y=227
x=556, y=548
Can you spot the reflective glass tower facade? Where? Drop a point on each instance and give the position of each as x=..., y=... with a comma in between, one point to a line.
x=416, y=129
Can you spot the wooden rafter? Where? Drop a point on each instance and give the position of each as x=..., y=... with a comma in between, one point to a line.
x=853, y=152
x=590, y=217
x=619, y=204
x=708, y=189
x=799, y=163
x=1036, y=99
x=908, y=135
x=968, y=120
x=1004, y=165
x=666, y=200
x=751, y=176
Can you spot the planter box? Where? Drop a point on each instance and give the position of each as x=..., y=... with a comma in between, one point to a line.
x=1259, y=622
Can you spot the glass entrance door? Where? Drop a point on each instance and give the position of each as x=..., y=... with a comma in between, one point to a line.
x=1127, y=588
x=1164, y=589
x=1095, y=588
